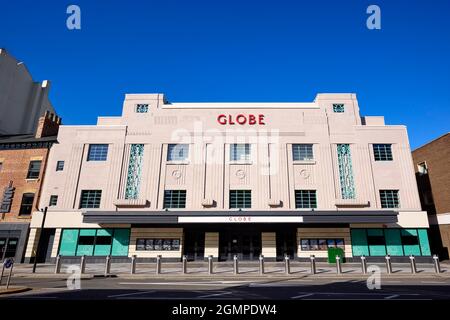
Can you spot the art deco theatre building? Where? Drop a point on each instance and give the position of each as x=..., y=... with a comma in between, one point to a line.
x=227, y=179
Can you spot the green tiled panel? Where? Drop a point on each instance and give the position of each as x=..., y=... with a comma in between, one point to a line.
x=359, y=242
x=377, y=250
x=85, y=250
x=393, y=242
x=87, y=232
x=412, y=250
x=104, y=232
x=69, y=240
x=409, y=232
x=424, y=244
x=375, y=232
x=102, y=250
x=121, y=241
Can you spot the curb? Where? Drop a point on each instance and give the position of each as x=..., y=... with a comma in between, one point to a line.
x=13, y=290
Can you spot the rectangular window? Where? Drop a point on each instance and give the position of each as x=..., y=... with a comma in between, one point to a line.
x=302, y=152
x=86, y=240
x=174, y=199
x=27, y=204
x=305, y=199
x=389, y=199
x=382, y=152
x=34, y=169
x=158, y=244
x=338, y=107
x=422, y=168
x=53, y=200
x=90, y=199
x=60, y=166
x=1, y=166
x=177, y=152
x=103, y=240
x=240, y=152
x=321, y=244
x=240, y=199
x=97, y=152
x=376, y=240
x=141, y=108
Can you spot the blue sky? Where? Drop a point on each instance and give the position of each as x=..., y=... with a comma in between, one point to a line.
x=216, y=50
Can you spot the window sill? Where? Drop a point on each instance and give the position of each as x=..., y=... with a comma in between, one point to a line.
x=240, y=162
x=32, y=179
x=304, y=161
x=178, y=162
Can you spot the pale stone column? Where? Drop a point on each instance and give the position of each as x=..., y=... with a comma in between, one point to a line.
x=33, y=239
x=56, y=243
x=269, y=244
x=212, y=244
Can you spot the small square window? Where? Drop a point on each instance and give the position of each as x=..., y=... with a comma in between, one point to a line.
x=240, y=199
x=174, y=199
x=240, y=152
x=97, y=152
x=305, y=199
x=34, y=169
x=177, y=152
x=382, y=152
x=142, y=108
x=338, y=108
x=90, y=199
x=53, y=200
x=301, y=152
x=60, y=166
x=389, y=199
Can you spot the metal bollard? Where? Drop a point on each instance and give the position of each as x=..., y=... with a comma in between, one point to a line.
x=158, y=264
x=133, y=264
x=9, y=277
x=261, y=264
x=108, y=265
x=313, y=264
x=184, y=264
x=437, y=265
x=58, y=264
x=287, y=264
x=388, y=264
x=210, y=264
x=235, y=264
x=412, y=260
x=83, y=264
x=338, y=265
x=364, y=264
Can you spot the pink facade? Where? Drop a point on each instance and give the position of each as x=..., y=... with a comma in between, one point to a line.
x=309, y=167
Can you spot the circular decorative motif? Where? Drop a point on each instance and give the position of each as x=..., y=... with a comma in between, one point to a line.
x=176, y=174
x=304, y=174
x=240, y=174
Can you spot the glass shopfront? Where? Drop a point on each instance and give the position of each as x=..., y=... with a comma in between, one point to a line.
x=94, y=242
x=395, y=242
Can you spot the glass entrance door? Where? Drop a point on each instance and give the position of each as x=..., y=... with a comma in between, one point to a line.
x=247, y=246
x=194, y=245
x=8, y=247
x=286, y=244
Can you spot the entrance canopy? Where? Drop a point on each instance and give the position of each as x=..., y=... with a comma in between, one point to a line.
x=292, y=216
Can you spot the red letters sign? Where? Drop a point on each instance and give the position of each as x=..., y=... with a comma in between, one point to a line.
x=241, y=119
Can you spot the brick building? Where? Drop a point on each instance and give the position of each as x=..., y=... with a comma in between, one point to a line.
x=432, y=167
x=22, y=167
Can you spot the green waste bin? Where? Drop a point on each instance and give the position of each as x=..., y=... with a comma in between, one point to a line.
x=333, y=252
